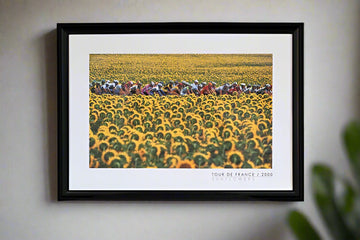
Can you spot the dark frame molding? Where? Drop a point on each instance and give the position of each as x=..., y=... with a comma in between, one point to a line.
x=297, y=32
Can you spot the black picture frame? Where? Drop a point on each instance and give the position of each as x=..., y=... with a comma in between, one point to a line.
x=64, y=30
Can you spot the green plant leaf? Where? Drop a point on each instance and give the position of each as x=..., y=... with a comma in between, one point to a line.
x=301, y=227
x=347, y=201
x=324, y=193
x=352, y=144
x=344, y=196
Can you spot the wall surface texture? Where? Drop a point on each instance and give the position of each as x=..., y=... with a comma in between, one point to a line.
x=28, y=206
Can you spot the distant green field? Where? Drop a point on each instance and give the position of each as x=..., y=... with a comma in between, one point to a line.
x=220, y=68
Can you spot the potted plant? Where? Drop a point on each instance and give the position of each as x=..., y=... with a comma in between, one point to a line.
x=337, y=198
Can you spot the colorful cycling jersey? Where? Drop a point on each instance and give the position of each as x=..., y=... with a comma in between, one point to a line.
x=234, y=89
x=184, y=91
x=206, y=90
x=147, y=88
x=194, y=86
x=117, y=89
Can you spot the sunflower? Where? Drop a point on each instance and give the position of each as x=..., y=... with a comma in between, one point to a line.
x=267, y=165
x=93, y=143
x=214, y=166
x=140, y=128
x=176, y=121
x=167, y=114
x=251, y=144
x=103, y=145
x=180, y=148
x=102, y=114
x=93, y=117
x=195, y=127
x=160, y=127
x=136, y=121
x=207, y=155
x=210, y=135
x=178, y=136
x=235, y=157
x=227, y=133
x=200, y=159
x=172, y=160
x=159, y=149
x=136, y=135
x=108, y=155
x=181, y=126
x=149, y=135
x=189, y=139
x=185, y=164
x=229, y=145
x=142, y=153
x=248, y=164
x=113, y=139
x=104, y=129
x=209, y=124
x=218, y=116
x=147, y=124
x=124, y=157
x=230, y=165
x=113, y=128
x=92, y=161
x=97, y=164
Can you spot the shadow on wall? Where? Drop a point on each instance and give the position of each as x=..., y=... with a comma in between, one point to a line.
x=356, y=68
x=50, y=108
x=272, y=226
x=268, y=227
x=273, y=229
x=357, y=85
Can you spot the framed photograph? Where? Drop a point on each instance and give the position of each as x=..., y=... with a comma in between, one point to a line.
x=180, y=111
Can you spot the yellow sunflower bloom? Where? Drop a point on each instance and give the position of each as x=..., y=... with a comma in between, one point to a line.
x=185, y=164
x=108, y=155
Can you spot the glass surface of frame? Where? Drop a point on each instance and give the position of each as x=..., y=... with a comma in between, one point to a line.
x=180, y=111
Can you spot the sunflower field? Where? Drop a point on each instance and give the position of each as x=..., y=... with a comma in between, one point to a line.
x=219, y=68
x=181, y=132
x=207, y=131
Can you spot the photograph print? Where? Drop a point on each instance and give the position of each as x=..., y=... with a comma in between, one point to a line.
x=198, y=111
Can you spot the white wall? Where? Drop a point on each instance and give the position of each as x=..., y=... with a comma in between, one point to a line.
x=28, y=206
